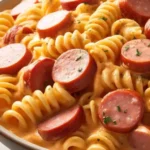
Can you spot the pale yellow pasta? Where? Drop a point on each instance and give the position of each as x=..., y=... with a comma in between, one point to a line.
x=30, y=17
x=80, y=21
x=103, y=140
x=30, y=109
x=54, y=47
x=101, y=20
x=128, y=28
x=7, y=89
x=106, y=50
x=115, y=77
x=49, y=6
x=6, y=22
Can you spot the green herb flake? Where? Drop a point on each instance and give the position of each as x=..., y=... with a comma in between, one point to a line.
x=127, y=48
x=119, y=108
x=77, y=59
x=107, y=120
x=138, y=53
x=80, y=69
x=104, y=18
x=148, y=45
x=78, y=21
x=114, y=122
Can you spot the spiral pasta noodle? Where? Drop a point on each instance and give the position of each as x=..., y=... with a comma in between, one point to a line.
x=30, y=17
x=101, y=20
x=147, y=97
x=7, y=88
x=6, y=22
x=128, y=28
x=84, y=8
x=114, y=77
x=53, y=48
x=80, y=21
x=103, y=140
x=26, y=112
x=107, y=49
x=49, y=6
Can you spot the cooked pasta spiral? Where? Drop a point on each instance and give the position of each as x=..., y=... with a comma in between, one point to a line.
x=53, y=48
x=77, y=140
x=101, y=20
x=36, y=107
x=30, y=17
x=80, y=21
x=103, y=140
x=128, y=28
x=84, y=8
x=114, y=77
x=7, y=88
x=6, y=22
x=49, y=6
x=107, y=49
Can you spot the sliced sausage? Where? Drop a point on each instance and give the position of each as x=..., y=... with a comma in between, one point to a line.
x=13, y=57
x=72, y=4
x=147, y=29
x=10, y=36
x=135, y=55
x=74, y=69
x=121, y=110
x=50, y=24
x=21, y=7
x=140, y=138
x=39, y=74
x=62, y=124
x=136, y=9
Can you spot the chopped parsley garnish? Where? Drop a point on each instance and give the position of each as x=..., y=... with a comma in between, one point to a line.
x=127, y=48
x=118, y=108
x=107, y=120
x=138, y=53
x=77, y=59
x=78, y=21
x=104, y=18
x=80, y=69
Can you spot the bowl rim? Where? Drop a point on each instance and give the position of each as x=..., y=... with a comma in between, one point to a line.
x=22, y=142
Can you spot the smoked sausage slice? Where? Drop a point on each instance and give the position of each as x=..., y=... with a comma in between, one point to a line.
x=136, y=9
x=50, y=24
x=10, y=36
x=121, y=110
x=147, y=29
x=62, y=124
x=140, y=138
x=135, y=55
x=72, y=4
x=74, y=69
x=21, y=7
x=39, y=74
x=13, y=57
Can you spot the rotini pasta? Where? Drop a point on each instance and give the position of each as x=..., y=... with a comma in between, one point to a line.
x=101, y=20
x=7, y=88
x=6, y=22
x=53, y=48
x=107, y=49
x=26, y=19
x=128, y=28
x=25, y=112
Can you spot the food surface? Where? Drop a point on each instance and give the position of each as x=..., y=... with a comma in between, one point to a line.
x=75, y=74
